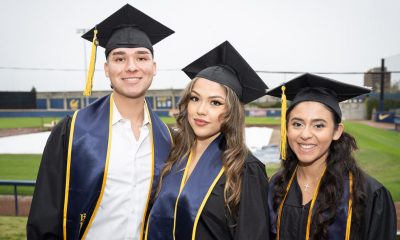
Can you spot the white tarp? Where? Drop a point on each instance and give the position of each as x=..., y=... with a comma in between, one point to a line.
x=256, y=139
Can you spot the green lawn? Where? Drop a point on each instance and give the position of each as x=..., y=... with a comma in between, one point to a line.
x=12, y=228
x=28, y=122
x=272, y=168
x=379, y=154
x=262, y=121
x=168, y=120
x=18, y=167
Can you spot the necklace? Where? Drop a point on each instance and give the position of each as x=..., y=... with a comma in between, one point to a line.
x=311, y=206
x=349, y=212
x=306, y=186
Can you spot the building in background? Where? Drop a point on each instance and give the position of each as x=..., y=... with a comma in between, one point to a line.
x=372, y=79
x=163, y=101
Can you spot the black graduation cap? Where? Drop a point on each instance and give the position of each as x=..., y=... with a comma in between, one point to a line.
x=126, y=28
x=310, y=87
x=226, y=66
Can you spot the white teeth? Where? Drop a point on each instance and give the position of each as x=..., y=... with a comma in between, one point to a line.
x=307, y=146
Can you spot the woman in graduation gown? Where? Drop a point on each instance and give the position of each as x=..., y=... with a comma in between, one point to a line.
x=320, y=192
x=212, y=187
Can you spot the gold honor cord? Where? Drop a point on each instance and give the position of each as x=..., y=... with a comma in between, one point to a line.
x=183, y=182
x=67, y=175
x=311, y=207
x=278, y=225
x=143, y=228
x=196, y=221
x=103, y=185
x=350, y=211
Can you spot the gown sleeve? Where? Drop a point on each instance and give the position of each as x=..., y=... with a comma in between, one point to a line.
x=46, y=212
x=380, y=214
x=253, y=217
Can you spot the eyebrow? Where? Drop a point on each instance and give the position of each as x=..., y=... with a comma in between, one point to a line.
x=124, y=53
x=142, y=52
x=210, y=97
x=312, y=120
x=119, y=53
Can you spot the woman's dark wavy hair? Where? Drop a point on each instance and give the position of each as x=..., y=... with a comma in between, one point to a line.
x=340, y=162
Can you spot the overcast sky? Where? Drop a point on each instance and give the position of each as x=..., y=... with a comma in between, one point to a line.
x=40, y=45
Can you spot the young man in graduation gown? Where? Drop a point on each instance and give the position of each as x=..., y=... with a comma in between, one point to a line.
x=100, y=168
x=320, y=192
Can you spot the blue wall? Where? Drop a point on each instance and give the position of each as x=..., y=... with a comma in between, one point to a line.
x=177, y=101
x=57, y=103
x=41, y=103
x=49, y=113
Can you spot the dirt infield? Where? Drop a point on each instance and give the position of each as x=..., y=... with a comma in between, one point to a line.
x=387, y=126
x=397, y=204
x=7, y=205
x=19, y=131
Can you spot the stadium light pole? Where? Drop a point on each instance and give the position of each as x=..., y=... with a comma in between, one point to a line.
x=81, y=31
x=382, y=94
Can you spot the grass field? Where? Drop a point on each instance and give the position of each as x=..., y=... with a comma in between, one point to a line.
x=18, y=167
x=31, y=122
x=379, y=154
x=12, y=228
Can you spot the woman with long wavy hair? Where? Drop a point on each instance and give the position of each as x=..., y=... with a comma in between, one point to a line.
x=211, y=186
x=320, y=192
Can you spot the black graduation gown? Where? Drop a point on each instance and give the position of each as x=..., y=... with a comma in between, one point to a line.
x=378, y=221
x=45, y=219
x=253, y=216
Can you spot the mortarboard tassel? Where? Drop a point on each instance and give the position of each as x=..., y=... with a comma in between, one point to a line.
x=283, y=125
x=89, y=81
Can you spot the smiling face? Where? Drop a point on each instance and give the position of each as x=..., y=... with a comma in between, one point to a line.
x=310, y=131
x=130, y=70
x=206, y=108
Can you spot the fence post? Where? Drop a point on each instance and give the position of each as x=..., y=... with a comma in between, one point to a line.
x=16, y=200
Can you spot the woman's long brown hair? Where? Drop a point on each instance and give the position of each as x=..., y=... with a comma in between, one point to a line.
x=235, y=150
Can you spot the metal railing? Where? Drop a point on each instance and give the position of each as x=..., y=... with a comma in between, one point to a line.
x=31, y=183
x=16, y=183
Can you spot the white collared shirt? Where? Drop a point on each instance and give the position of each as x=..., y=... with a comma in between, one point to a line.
x=120, y=213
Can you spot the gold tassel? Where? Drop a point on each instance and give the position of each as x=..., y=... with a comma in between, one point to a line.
x=89, y=81
x=283, y=124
